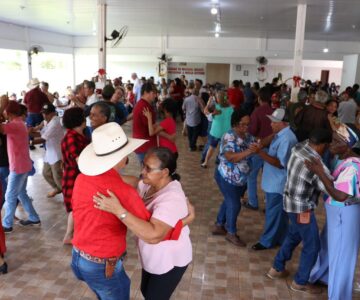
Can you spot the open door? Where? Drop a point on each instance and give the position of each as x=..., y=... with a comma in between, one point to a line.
x=325, y=76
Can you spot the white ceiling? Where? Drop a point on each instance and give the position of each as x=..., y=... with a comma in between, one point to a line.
x=326, y=19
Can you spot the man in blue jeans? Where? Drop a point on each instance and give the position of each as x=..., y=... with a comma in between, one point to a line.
x=302, y=190
x=274, y=178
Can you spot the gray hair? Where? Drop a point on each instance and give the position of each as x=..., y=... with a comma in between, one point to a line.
x=321, y=96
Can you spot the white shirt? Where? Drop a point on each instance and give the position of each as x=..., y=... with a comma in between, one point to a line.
x=92, y=99
x=137, y=89
x=52, y=133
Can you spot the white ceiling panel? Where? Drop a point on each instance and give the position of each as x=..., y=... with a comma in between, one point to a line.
x=326, y=19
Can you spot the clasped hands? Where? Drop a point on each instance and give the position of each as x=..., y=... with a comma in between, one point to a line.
x=255, y=147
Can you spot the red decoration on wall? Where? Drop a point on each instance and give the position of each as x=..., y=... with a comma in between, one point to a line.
x=101, y=72
x=296, y=80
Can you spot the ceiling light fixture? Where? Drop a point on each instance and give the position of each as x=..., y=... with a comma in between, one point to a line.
x=217, y=34
x=326, y=50
x=214, y=10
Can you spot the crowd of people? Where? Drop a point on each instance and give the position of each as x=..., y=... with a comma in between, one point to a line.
x=304, y=149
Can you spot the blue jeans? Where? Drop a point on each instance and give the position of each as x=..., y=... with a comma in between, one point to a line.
x=115, y=288
x=276, y=221
x=206, y=147
x=16, y=189
x=230, y=208
x=256, y=164
x=297, y=233
x=4, y=173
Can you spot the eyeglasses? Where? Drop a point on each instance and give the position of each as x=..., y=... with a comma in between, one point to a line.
x=149, y=169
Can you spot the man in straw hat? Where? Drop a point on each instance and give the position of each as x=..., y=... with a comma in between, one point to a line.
x=34, y=100
x=99, y=237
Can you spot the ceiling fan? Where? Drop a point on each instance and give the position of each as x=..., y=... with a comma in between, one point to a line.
x=35, y=49
x=117, y=36
x=165, y=58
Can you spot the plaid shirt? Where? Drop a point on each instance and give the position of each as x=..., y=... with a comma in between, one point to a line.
x=71, y=146
x=302, y=188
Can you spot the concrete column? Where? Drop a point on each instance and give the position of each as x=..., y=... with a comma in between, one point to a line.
x=29, y=58
x=350, y=71
x=101, y=33
x=299, y=46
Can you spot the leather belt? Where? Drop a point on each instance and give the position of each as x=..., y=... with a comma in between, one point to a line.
x=95, y=259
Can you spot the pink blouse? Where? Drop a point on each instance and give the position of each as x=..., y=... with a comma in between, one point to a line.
x=167, y=205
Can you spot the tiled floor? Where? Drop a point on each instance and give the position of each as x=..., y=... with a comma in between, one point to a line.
x=39, y=263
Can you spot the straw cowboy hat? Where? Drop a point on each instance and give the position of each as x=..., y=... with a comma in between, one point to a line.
x=109, y=146
x=33, y=83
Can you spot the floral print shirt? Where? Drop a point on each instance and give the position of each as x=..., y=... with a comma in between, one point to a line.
x=234, y=173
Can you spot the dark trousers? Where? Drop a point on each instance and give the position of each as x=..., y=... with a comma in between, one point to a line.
x=193, y=134
x=161, y=287
x=308, y=234
x=180, y=111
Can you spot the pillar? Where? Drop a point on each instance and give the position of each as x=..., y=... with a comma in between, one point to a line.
x=299, y=46
x=101, y=33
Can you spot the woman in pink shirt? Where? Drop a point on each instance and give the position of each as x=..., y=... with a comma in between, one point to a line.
x=163, y=262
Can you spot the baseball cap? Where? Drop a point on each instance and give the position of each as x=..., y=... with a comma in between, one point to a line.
x=48, y=108
x=279, y=115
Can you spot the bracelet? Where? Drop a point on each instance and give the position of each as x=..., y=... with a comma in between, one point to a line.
x=123, y=215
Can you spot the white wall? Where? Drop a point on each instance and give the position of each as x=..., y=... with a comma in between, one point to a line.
x=221, y=50
x=86, y=66
x=311, y=70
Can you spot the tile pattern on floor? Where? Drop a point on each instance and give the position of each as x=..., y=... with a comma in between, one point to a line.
x=39, y=263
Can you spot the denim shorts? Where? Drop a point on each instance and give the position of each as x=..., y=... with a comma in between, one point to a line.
x=213, y=141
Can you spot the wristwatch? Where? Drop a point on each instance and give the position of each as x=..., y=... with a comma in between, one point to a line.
x=123, y=215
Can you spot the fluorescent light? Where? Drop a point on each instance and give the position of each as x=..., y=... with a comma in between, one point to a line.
x=214, y=11
x=217, y=34
x=217, y=27
x=326, y=50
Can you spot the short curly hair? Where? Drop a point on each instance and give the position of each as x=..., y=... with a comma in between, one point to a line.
x=73, y=117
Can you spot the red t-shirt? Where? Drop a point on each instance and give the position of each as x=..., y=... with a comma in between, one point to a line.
x=177, y=93
x=131, y=97
x=100, y=233
x=169, y=127
x=35, y=100
x=236, y=97
x=140, y=126
x=97, y=232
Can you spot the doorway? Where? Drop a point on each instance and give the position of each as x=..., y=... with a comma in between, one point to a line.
x=218, y=73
